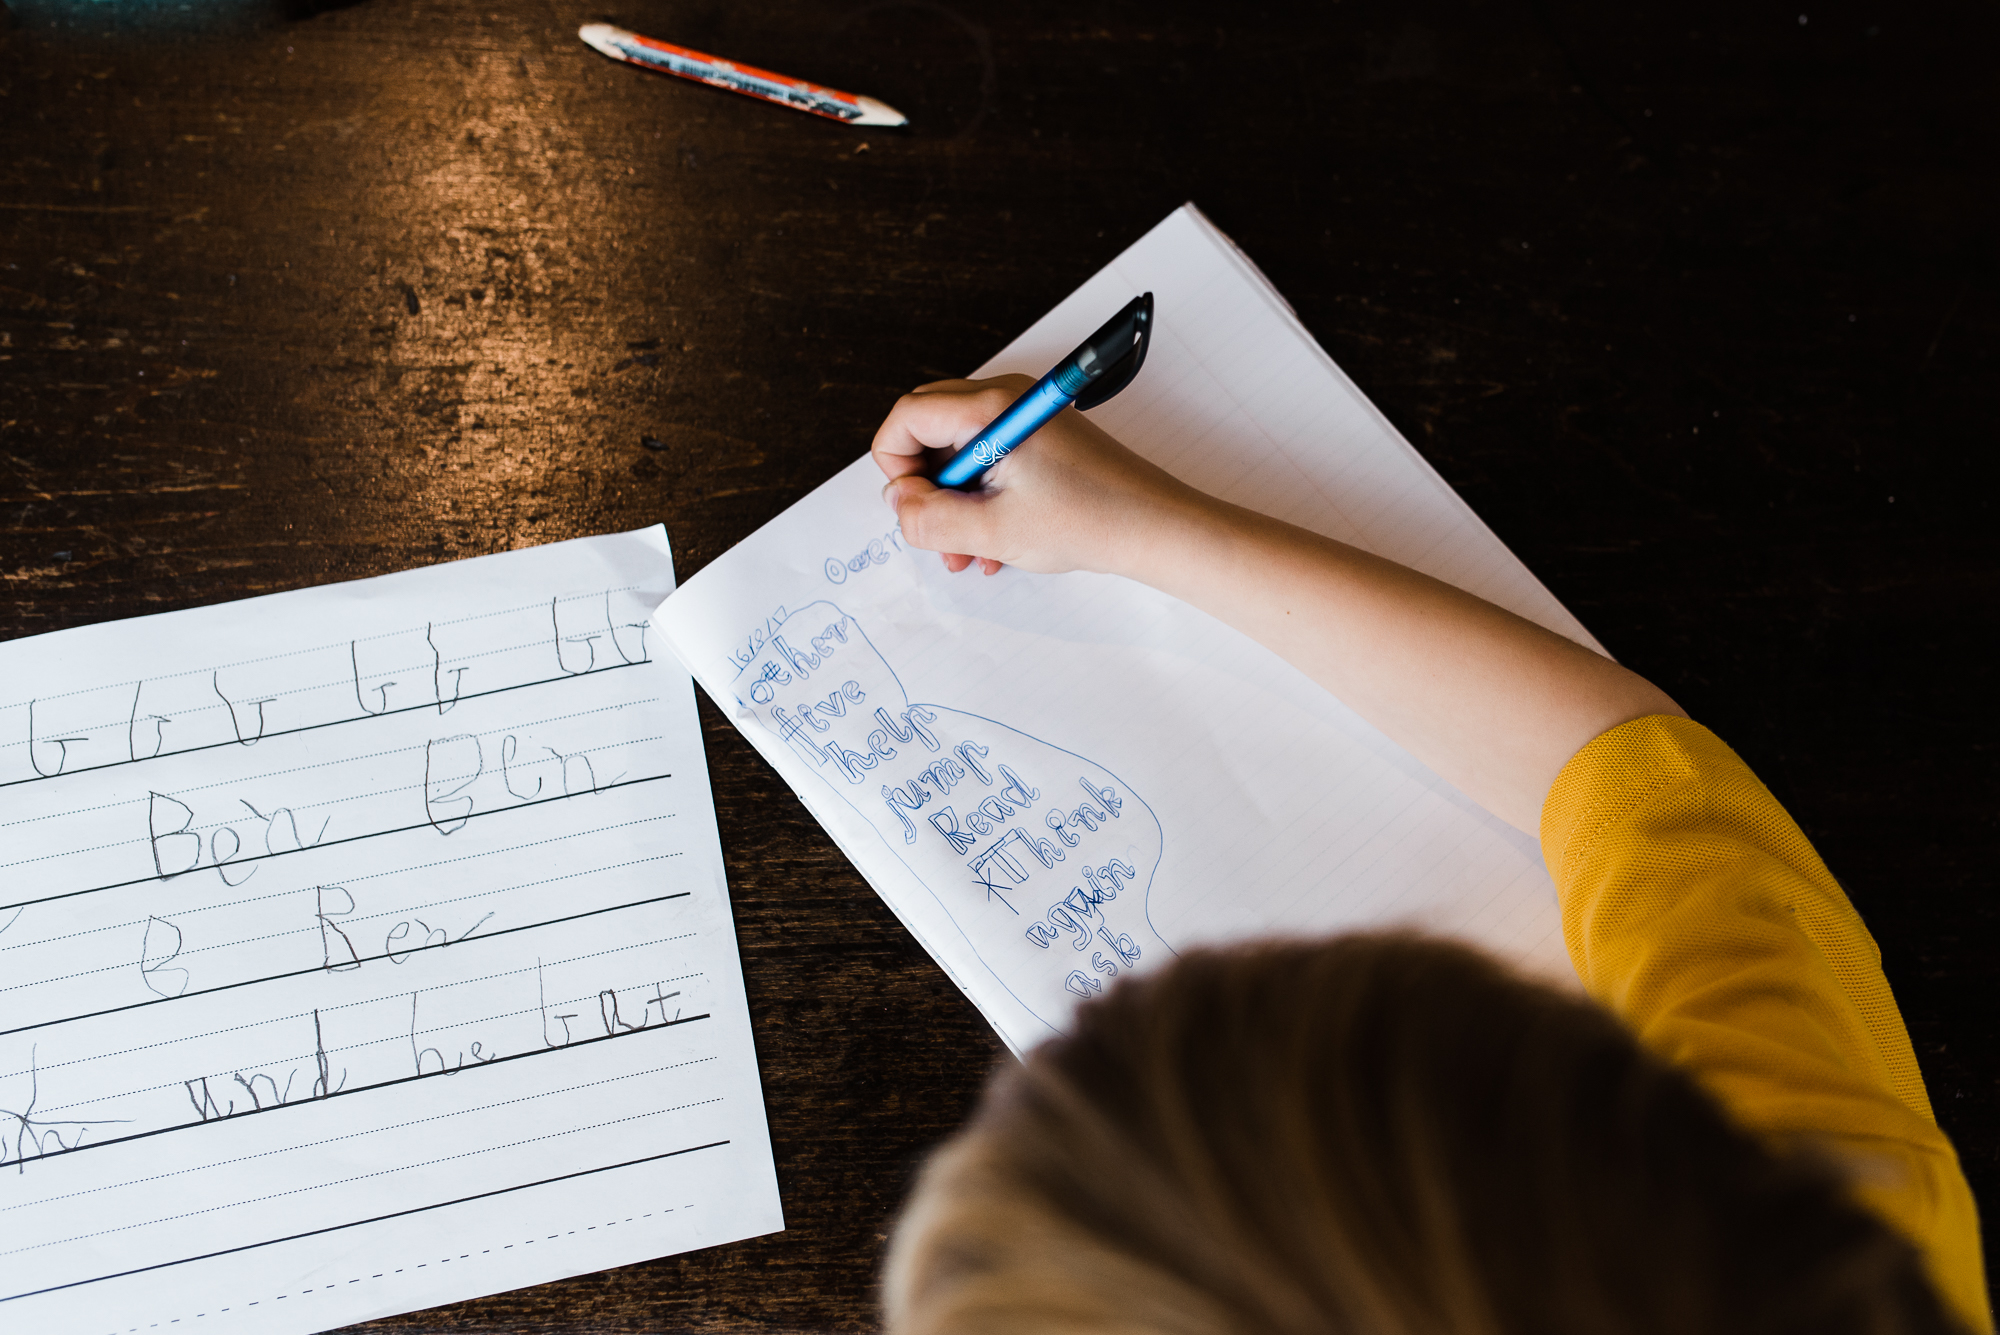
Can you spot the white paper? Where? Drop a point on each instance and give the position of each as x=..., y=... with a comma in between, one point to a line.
x=364, y=948
x=1168, y=781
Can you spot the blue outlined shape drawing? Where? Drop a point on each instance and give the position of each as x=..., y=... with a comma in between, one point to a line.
x=1043, y=859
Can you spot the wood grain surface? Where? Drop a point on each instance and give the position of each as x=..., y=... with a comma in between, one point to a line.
x=1695, y=304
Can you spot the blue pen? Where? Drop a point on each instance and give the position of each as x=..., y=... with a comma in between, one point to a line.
x=1103, y=365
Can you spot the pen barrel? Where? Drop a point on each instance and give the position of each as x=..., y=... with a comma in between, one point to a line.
x=1025, y=416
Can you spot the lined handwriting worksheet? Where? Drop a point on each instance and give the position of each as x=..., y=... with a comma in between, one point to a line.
x=364, y=948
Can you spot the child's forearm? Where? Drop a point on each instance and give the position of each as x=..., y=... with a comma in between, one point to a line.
x=1493, y=703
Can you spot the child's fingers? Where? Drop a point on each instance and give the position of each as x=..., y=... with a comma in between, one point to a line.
x=942, y=415
x=940, y=520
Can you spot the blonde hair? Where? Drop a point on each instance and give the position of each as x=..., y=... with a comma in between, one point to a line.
x=1380, y=1134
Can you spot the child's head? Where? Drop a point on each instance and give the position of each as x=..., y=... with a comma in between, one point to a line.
x=1380, y=1134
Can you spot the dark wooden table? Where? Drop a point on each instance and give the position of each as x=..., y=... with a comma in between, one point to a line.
x=1696, y=308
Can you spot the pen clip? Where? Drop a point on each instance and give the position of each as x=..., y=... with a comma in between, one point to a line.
x=1132, y=329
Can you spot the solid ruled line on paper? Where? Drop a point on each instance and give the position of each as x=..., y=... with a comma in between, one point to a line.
x=183, y=1216
x=540, y=967
x=334, y=646
x=358, y=1089
x=358, y=1223
x=305, y=727
x=334, y=843
x=537, y=966
x=345, y=760
x=363, y=959
x=185, y=914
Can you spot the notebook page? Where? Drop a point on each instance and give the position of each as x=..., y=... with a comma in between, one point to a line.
x=1054, y=780
x=1258, y=414
x=364, y=948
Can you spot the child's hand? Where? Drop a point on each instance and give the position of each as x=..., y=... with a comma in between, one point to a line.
x=1495, y=704
x=1070, y=498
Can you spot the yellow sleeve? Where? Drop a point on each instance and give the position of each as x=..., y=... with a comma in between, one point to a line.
x=1694, y=908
